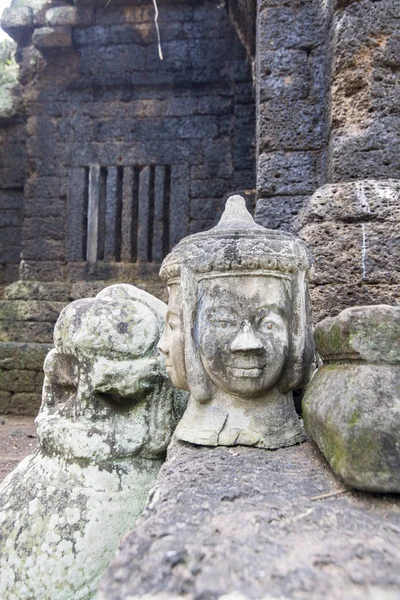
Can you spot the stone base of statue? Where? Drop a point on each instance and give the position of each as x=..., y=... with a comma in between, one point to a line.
x=351, y=407
x=268, y=422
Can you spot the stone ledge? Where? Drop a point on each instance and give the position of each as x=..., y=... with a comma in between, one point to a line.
x=243, y=521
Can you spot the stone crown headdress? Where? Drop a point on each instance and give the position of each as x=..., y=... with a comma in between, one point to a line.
x=236, y=243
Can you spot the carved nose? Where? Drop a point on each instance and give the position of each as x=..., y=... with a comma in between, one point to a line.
x=161, y=347
x=246, y=340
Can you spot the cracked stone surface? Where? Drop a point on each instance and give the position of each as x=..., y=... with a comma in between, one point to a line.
x=241, y=523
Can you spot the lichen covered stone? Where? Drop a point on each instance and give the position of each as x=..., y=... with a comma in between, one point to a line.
x=107, y=416
x=351, y=407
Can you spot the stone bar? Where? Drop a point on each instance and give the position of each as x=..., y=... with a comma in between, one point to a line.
x=127, y=208
x=93, y=214
x=159, y=208
x=247, y=522
x=111, y=214
x=75, y=249
x=143, y=214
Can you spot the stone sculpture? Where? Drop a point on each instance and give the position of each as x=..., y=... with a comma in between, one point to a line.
x=351, y=407
x=238, y=331
x=107, y=416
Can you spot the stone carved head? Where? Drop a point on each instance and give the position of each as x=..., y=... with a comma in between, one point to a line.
x=106, y=394
x=238, y=331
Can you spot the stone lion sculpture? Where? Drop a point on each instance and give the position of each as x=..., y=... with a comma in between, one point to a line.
x=107, y=416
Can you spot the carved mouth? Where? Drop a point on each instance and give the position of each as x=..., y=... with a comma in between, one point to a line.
x=247, y=371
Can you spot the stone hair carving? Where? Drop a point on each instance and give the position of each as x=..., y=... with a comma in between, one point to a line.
x=107, y=416
x=238, y=332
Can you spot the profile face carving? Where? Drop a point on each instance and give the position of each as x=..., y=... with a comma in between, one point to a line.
x=238, y=331
x=172, y=343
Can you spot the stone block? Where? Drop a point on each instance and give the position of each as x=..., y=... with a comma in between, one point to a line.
x=286, y=173
x=329, y=299
x=22, y=331
x=37, y=290
x=5, y=398
x=52, y=37
x=19, y=356
x=290, y=26
x=352, y=230
x=107, y=35
x=62, y=16
x=12, y=178
x=370, y=152
x=278, y=212
x=10, y=254
x=48, y=250
x=11, y=199
x=103, y=60
x=24, y=403
x=350, y=405
x=30, y=310
x=14, y=380
x=16, y=18
x=211, y=188
x=291, y=125
x=209, y=209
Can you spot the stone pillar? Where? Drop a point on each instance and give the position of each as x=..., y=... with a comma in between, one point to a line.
x=291, y=75
x=352, y=224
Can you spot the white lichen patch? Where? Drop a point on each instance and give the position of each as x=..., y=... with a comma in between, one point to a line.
x=107, y=416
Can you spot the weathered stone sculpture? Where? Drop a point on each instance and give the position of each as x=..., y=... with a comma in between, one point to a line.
x=352, y=405
x=107, y=416
x=238, y=331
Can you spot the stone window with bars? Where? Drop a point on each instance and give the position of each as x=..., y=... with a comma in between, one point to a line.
x=123, y=213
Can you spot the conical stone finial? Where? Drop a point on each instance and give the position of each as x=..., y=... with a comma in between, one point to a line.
x=235, y=212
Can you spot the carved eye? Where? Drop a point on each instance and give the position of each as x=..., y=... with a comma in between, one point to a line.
x=224, y=324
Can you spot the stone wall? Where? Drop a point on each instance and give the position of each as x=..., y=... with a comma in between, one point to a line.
x=12, y=164
x=128, y=153
x=352, y=224
x=12, y=172
x=292, y=60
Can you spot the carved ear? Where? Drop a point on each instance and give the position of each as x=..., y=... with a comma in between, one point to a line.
x=199, y=383
x=301, y=350
x=60, y=378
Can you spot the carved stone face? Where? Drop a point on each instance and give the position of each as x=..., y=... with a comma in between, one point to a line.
x=171, y=343
x=242, y=332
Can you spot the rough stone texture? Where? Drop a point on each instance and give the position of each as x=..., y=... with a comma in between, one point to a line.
x=62, y=16
x=168, y=138
x=292, y=81
x=238, y=333
x=353, y=230
x=241, y=521
x=350, y=407
x=17, y=440
x=21, y=377
x=52, y=37
x=29, y=312
x=12, y=175
x=107, y=416
x=364, y=140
